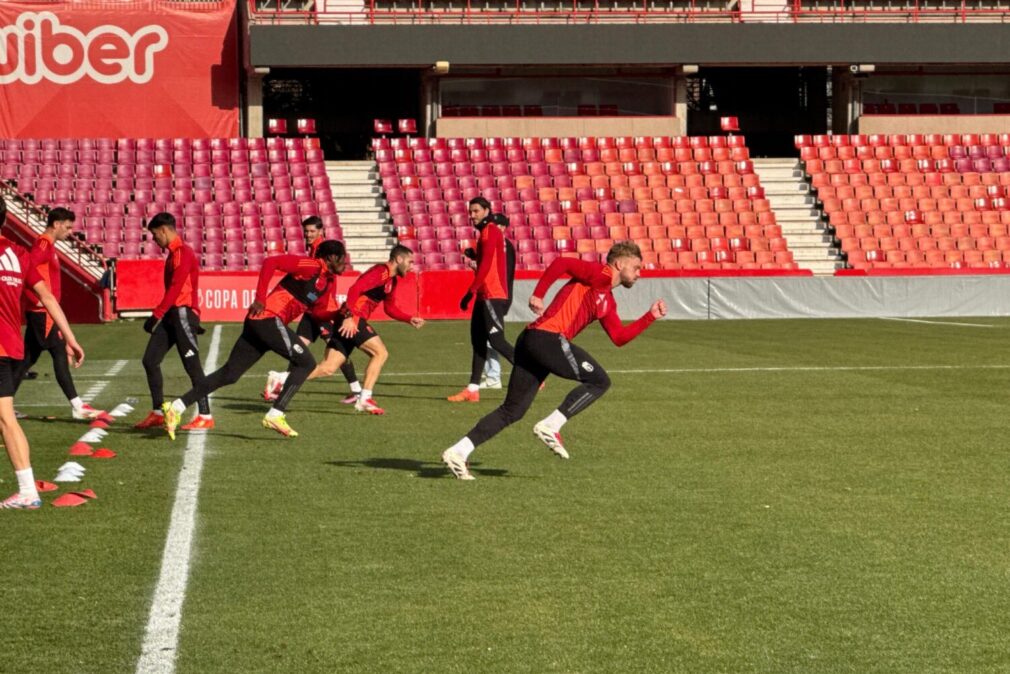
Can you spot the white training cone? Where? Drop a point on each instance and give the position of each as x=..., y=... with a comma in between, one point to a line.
x=121, y=410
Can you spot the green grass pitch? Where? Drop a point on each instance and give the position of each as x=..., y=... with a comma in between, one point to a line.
x=760, y=496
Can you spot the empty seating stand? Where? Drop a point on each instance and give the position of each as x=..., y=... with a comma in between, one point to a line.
x=915, y=201
x=691, y=203
x=235, y=200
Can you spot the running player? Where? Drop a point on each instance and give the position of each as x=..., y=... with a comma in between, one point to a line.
x=16, y=276
x=41, y=333
x=351, y=327
x=309, y=330
x=544, y=347
x=175, y=322
x=490, y=285
x=307, y=280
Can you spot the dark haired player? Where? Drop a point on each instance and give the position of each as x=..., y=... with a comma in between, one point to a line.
x=307, y=281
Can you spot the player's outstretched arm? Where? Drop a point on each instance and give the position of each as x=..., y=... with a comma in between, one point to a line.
x=75, y=354
x=622, y=334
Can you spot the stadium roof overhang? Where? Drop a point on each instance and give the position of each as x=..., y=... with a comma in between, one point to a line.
x=663, y=44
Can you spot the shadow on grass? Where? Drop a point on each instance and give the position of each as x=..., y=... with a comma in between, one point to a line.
x=424, y=469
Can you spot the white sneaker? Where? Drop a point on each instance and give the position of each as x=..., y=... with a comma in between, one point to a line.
x=270, y=385
x=20, y=501
x=457, y=465
x=369, y=406
x=490, y=383
x=85, y=411
x=551, y=438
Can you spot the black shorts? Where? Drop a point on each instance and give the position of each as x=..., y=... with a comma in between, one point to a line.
x=35, y=328
x=344, y=345
x=7, y=369
x=309, y=328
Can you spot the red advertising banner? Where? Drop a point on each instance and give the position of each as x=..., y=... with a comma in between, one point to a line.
x=130, y=69
x=225, y=296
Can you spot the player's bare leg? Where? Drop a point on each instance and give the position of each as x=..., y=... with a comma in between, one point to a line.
x=378, y=355
x=27, y=497
x=332, y=360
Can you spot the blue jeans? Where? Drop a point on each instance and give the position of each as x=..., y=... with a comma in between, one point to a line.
x=492, y=366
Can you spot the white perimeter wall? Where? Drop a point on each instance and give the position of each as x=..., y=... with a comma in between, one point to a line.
x=806, y=297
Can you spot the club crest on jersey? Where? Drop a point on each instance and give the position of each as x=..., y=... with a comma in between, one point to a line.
x=9, y=263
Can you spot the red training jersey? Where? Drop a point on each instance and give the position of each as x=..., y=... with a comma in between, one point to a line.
x=310, y=249
x=374, y=286
x=16, y=274
x=182, y=279
x=491, y=279
x=585, y=298
x=44, y=260
x=307, y=281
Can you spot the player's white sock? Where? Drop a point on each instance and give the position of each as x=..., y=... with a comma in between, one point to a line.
x=464, y=448
x=366, y=394
x=555, y=420
x=473, y=387
x=77, y=403
x=282, y=377
x=178, y=406
x=26, y=482
x=274, y=413
x=355, y=387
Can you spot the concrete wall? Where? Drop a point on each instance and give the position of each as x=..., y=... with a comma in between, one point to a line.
x=807, y=297
x=490, y=127
x=934, y=124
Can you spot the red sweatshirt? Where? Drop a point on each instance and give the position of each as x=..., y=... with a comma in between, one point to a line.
x=585, y=298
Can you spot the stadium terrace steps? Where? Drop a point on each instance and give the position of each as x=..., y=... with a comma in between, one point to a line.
x=796, y=211
x=357, y=193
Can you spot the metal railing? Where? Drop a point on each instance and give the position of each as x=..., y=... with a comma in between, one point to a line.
x=424, y=12
x=80, y=253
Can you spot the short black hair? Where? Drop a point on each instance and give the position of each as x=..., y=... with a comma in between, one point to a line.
x=398, y=250
x=161, y=220
x=482, y=202
x=59, y=214
x=313, y=221
x=331, y=247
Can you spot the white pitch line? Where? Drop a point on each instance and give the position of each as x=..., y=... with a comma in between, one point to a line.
x=717, y=370
x=161, y=640
x=95, y=390
x=919, y=320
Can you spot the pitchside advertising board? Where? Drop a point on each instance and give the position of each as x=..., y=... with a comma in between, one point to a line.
x=140, y=69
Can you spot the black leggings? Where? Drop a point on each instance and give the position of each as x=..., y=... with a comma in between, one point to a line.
x=538, y=354
x=178, y=327
x=487, y=324
x=259, y=336
x=39, y=339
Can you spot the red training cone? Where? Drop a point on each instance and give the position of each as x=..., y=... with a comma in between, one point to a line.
x=69, y=501
x=103, y=453
x=44, y=486
x=80, y=449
